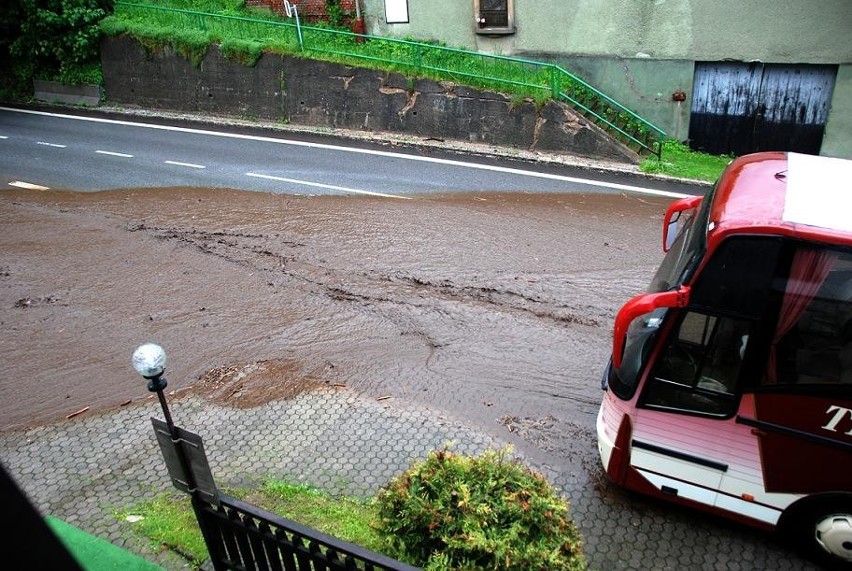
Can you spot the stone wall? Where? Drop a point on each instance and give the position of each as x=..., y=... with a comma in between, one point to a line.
x=318, y=94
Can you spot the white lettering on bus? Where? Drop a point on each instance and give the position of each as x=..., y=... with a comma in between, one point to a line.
x=839, y=413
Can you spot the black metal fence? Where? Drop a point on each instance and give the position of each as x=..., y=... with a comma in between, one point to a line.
x=242, y=536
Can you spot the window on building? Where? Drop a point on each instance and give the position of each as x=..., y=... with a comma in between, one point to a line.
x=396, y=11
x=494, y=16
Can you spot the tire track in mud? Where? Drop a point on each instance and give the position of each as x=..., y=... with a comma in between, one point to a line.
x=252, y=251
x=256, y=251
x=505, y=299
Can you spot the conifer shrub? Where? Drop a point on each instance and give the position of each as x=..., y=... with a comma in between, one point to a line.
x=452, y=511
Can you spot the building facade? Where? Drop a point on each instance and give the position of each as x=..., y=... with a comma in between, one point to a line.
x=728, y=76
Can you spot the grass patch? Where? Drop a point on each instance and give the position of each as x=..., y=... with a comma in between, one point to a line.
x=243, y=51
x=168, y=519
x=343, y=517
x=680, y=161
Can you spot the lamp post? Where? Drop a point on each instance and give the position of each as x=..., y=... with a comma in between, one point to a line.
x=149, y=360
x=182, y=450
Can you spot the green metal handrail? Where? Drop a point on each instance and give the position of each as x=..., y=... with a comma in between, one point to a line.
x=499, y=73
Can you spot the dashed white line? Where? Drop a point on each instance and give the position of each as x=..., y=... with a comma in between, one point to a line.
x=190, y=165
x=114, y=154
x=50, y=145
x=3, y=137
x=27, y=185
x=326, y=186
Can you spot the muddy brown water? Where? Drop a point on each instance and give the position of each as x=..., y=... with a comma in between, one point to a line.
x=497, y=308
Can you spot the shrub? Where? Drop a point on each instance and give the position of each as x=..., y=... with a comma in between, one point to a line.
x=453, y=511
x=54, y=36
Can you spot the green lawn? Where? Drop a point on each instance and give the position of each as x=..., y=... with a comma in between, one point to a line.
x=680, y=161
x=169, y=520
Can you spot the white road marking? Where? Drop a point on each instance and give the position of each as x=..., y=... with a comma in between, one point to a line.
x=326, y=186
x=3, y=137
x=114, y=154
x=50, y=145
x=507, y=170
x=27, y=185
x=190, y=165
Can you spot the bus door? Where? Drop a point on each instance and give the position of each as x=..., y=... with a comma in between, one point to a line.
x=686, y=438
x=803, y=407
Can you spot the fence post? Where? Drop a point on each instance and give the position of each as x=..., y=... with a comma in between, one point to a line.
x=554, y=88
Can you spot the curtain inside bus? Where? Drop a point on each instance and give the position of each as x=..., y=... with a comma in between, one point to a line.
x=808, y=272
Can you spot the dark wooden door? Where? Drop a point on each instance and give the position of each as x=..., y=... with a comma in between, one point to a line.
x=740, y=108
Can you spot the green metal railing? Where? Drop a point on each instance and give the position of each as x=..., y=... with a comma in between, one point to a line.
x=499, y=73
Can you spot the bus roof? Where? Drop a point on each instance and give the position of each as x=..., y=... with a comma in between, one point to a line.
x=790, y=194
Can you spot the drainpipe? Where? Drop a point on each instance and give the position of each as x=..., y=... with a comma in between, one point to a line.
x=359, y=27
x=293, y=12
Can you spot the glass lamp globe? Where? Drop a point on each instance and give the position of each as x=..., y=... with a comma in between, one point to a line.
x=149, y=360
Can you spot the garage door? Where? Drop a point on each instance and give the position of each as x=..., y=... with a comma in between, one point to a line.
x=740, y=108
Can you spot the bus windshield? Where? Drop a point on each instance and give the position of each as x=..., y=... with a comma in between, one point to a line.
x=676, y=269
x=688, y=246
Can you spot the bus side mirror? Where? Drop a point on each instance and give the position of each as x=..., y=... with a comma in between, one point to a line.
x=638, y=306
x=673, y=214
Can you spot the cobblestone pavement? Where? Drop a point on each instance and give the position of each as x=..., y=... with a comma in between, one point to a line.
x=85, y=470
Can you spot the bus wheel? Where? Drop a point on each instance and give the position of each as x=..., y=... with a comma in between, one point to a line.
x=824, y=531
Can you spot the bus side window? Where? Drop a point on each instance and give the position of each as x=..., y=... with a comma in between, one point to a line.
x=812, y=342
x=699, y=366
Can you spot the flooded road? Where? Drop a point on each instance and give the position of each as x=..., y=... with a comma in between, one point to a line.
x=495, y=307
x=495, y=310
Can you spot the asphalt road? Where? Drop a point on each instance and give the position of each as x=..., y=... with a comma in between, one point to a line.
x=56, y=150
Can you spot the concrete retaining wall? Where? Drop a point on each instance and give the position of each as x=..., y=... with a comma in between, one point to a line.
x=56, y=92
x=310, y=93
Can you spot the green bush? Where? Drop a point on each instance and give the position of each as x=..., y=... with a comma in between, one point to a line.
x=49, y=39
x=453, y=511
x=334, y=12
x=91, y=73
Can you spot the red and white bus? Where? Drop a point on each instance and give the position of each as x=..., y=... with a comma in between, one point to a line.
x=730, y=383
